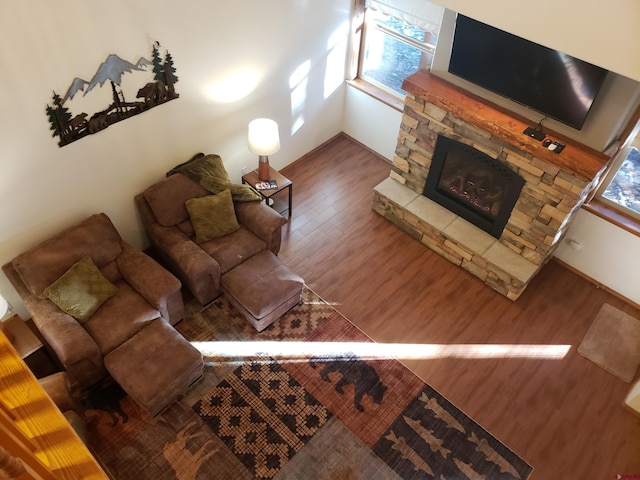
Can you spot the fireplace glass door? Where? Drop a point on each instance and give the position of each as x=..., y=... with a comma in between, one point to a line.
x=473, y=185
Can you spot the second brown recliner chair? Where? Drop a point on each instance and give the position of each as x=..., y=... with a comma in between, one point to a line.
x=200, y=266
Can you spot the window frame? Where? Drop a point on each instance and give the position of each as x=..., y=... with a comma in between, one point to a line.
x=369, y=86
x=616, y=163
x=602, y=206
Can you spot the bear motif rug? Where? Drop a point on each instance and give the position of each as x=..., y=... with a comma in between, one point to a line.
x=296, y=401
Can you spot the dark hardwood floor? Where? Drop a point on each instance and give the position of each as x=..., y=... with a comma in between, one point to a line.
x=562, y=415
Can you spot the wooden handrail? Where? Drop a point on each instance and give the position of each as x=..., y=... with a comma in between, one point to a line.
x=32, y=428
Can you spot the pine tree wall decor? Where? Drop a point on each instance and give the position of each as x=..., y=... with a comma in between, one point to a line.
x=70, y=127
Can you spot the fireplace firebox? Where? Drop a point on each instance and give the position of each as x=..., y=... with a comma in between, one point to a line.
x=472, y=185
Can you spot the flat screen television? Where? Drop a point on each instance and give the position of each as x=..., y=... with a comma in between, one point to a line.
x=555, y=84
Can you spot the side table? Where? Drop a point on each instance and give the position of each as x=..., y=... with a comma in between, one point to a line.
x=29, y=347
x=269, y=196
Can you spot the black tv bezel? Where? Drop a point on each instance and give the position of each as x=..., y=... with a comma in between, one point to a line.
x=526, y=102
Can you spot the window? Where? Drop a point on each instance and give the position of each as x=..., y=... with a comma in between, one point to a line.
x=621, y=188
x=398, y=39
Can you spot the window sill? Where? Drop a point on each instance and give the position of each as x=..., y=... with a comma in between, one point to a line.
x=614, y=216
x=377, y=93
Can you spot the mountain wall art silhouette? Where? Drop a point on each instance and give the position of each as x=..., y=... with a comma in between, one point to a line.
x=69, y=126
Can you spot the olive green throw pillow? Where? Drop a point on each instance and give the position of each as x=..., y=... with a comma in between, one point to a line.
x=212, y=216
x=81, y=290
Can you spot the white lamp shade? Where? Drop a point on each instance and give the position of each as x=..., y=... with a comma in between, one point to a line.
x=5, y=308
x=264, y=138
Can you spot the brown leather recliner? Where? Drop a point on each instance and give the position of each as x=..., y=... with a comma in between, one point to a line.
x=200, y=266
x=146, y=292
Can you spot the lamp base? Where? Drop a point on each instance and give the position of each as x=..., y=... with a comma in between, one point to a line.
x=264, y=172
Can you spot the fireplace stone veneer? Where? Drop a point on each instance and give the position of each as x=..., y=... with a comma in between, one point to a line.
x=556, y=185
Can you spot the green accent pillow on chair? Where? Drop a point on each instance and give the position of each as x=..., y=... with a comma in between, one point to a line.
x=81, y=290
x=212, y=216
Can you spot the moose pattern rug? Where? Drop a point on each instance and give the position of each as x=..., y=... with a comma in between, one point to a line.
x=260, y=413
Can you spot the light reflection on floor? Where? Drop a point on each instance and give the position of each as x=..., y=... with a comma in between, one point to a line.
x=293, y=351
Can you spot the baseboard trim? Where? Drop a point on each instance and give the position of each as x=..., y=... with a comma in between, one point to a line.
x=596, y=283
x=313, y=151
x=365, y=147
x=333, y=139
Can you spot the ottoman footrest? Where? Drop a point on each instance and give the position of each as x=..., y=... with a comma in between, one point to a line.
x=155, y=366
x=262, y=289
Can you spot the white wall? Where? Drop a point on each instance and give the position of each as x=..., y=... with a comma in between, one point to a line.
x=609, y=254
x=371, y=122
x=235, y=61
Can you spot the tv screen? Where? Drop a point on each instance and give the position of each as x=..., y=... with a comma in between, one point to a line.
x=555, y=84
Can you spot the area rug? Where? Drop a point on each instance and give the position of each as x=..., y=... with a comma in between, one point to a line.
x=613, y=342
x=294, y=402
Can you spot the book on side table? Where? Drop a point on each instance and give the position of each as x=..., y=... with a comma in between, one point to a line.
x=276, y=183
x=267, y=185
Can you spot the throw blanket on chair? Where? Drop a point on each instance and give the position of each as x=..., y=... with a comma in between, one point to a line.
x=209, y=172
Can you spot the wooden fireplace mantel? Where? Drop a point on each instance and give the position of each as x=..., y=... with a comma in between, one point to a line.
x=582, y=161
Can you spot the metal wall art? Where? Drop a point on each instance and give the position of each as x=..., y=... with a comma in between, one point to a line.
x=70, y=127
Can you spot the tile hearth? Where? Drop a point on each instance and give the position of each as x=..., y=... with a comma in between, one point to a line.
x=453, y=237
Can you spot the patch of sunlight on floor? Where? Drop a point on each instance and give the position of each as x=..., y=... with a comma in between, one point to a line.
x=301, y=351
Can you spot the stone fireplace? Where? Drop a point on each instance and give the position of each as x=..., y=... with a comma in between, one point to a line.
x=467, y=183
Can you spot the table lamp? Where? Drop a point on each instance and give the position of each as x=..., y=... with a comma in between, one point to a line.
x=5, y=308
x=264, y=140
